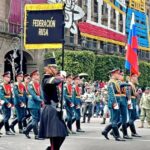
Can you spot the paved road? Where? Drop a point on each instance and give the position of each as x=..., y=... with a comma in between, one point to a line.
x=90, y=140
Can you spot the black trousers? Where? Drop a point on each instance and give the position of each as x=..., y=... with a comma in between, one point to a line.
x=56, y=142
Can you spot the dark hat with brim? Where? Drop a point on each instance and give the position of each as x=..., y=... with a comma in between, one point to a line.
x=26, y=75
x=114, y=70
x=51, y=62
x=34, y=72
x=75, y=77
x=69, y=76
x=6, y=73
x=19, y=73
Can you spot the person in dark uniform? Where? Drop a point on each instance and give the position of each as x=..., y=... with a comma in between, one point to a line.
x=69, y=102
x=114, y=103
x=132, y=94
x=19, y=102
x=76, y=94
x=35, y=100
x=52, y=125
x=26, y=82
x=6, y=101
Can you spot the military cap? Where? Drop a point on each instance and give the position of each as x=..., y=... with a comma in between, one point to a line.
x=6, y=73
x=51, y=62
x=34, y=72
x=69, y=75
x=19, y=73
x=114, y=70
x=26, y=75
x=75, y=77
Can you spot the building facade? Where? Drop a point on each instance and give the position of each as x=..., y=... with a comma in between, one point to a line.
x=98, y=25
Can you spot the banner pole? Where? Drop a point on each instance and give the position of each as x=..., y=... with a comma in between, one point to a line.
x=63, y=53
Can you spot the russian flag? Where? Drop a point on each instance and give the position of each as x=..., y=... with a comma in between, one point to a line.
x=131, y=62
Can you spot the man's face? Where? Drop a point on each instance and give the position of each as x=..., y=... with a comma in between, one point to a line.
x=7, y=78
x=134, y=78
x=54, y=69
x=121, y=76
x=27, y=79
x=116, y=74
x=20, y=78
x=36, y=76
x=69, y=79
x=77, y=81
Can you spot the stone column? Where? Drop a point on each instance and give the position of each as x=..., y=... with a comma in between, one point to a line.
x=109, y=15
x=117, y=20
x=100, y=3
x=89, y=4
x=124, y=24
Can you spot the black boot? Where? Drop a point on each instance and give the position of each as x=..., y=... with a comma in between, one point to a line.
x=106, y=131
x=12, y=126
x=1, y=124
x=24, y=122
x=124, y=130
x=20, y=127
x=78, y=126
x=133, y=130
x=69, y=125
x=27, y=130
x=8, y=132
x=116, y=134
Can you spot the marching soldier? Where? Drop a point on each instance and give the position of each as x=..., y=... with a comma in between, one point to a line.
x=51, y=124
x=27, y=80
x=131, y=94
x=35, y=100
x=114, y=103
x=19, y=102
x=77, y=102
x=123, y=105
x=69, y=101
x=6, y=101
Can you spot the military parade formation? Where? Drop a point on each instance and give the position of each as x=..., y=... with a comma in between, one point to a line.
x=37, y=106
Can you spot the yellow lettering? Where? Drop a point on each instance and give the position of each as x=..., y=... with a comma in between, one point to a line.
x=43, y=32
x=51, y=23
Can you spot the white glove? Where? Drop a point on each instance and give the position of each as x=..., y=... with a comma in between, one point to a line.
x=116, y=106
x=2, y=102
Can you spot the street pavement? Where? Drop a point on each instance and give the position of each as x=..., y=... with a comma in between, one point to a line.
x=90, y=140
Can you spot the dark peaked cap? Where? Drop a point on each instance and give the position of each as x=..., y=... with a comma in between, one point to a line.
x=50, y=62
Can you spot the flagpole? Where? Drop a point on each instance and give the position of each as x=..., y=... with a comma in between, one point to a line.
x=21, y=41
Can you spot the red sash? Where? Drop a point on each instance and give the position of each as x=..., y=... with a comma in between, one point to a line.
x=21, y=88
x=7, y=89
x=37, y=88
x=78, y=91
x=69, y=89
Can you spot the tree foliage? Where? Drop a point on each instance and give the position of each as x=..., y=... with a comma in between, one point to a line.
x=97, y=66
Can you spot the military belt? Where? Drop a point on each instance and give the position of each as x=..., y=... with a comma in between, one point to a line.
x=7, y=96
x=29, y=96
x=119, y=95
x=133, y=97
x=69, y=95
x=77, y=96
x=20, y=94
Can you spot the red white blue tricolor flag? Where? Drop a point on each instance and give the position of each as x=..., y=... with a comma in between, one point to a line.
x=131, y=62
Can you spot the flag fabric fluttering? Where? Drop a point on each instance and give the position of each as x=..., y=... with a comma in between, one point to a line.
x=131, y=62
